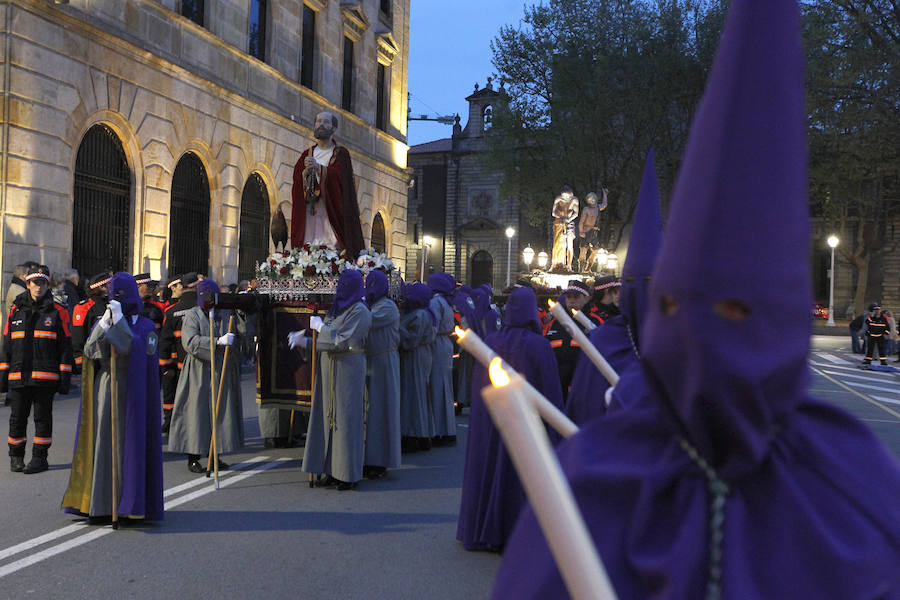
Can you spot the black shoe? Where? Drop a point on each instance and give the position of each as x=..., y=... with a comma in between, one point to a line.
x=449, y=440
x=36, y=465
x=223, y=466
x=374, y=472
x=343, y=486
x=408, y=444
x=16, y=464
x=270, y=443
x=424, y=444
x=194, y=466
x=328, y=481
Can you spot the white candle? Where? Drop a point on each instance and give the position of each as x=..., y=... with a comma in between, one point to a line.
x=474, y=345
x=546, y=486
x=582, y=318
x=586, y=346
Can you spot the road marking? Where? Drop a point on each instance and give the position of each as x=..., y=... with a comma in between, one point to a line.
x=832, y=358
x=861, y=395
x=253, y=466
x=883, y=399
x=856, y=376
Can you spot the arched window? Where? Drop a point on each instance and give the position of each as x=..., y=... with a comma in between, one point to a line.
x=482, y=270
x=254, y=226
x=488, y=116
x=189, y=217
x=102, y=203
x=379, y=241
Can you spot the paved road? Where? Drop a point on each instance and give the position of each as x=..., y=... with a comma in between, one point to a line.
x=266, y=534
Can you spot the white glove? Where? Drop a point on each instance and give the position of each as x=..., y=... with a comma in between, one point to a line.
x=105, y=321
x=316, y=323
x=115, y=309
x=226, y=340
x=296, y=339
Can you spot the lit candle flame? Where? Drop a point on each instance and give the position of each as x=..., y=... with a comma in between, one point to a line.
x=551, y=304
x=499, y=377
x=574, y=312
x=460, y=333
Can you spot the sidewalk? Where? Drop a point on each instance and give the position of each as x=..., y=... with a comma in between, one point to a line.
x=820, y=327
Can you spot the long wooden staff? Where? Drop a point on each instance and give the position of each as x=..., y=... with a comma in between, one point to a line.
x=214, y=442
x=212, y=395
x=113, y=413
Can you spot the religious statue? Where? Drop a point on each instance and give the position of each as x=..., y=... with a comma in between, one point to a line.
x=588, y=232
x=565, y=212
x=324, y=206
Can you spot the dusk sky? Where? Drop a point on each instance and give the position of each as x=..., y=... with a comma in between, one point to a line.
x=450, y=49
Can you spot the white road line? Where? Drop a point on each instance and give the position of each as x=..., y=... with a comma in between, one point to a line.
x=200, y=480
x=883, y=399
x=832, y=358
x=858, y=393
x=871, y=387
x=253, y=467
x=854, y=375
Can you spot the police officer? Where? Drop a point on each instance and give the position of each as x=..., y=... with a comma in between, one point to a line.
x=171, y=352
x=87, y=313
x=151, y=308
x=877, y=329
x=605, y=303
x=36, y=363
x=567, y=351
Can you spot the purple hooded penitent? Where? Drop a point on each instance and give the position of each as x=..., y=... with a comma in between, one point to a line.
x=484, y=312
x=618, y=339
x=123, y=288
x=350, y=290
x=492, y=496
x=727, y=480
x=464, y=304
x=376, y=286
x=442, y=283
x=206, y=292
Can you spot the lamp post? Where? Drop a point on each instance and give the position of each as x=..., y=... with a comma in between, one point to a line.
x=528, y=256
x=426, y=242
x=612, y=263
x=510, y=232
x=542, y=260
x=832, y=242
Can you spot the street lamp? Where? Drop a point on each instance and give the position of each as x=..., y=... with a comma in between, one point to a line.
x=426, y=242
x=601, y=258
x=832, y=242
x=528, y=256
x=542, y=260
x=612, y=263
x=510, y=232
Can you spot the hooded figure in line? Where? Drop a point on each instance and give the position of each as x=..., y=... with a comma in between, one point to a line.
x=492, y=495
x=440, y=386
x=416, y=337
x=618, y=339
x=191, y=429
x=727, y=480
x=138, y=417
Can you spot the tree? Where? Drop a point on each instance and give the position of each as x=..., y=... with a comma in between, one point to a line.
x=853, y=47
x=591, y=86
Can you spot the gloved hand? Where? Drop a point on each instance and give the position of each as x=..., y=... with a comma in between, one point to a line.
x=115, y=309
x=226, y=340
x=316, y=323
x=106, y=320
x=64, y=385
x=297, y=339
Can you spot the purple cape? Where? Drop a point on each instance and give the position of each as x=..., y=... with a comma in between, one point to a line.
x=726, y=479
x=492, y=496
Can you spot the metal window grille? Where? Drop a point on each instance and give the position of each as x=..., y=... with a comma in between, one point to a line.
x=254, y=226
x=189, y=217
x=102, y=203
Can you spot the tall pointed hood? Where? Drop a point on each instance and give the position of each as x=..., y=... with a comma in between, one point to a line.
x=643, y=247
x=727, y=332
x=124, y=289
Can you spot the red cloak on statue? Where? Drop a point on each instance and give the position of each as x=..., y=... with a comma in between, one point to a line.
x=339, y=197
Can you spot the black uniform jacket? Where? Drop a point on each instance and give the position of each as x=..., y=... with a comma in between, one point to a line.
x=37, y=345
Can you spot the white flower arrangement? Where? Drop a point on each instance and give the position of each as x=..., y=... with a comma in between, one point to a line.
x=318, y=260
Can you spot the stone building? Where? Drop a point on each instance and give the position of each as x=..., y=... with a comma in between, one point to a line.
x=455, y=205
x=160, y=135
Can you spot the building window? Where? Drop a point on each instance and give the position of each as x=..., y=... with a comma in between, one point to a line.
x=189, y=217
x=193, y=10
x=347, y=87
x=308, y=47
x=257, y=45
x=379, y=239
x=254, y=239
x=482, y=270
x=385, y=6
x=381, y=99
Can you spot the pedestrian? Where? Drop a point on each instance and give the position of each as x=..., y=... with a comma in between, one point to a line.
x=191, y=427
x=382, y=380
x=171, y=350
x=464, y=313
x=152, y=309
x=334, y=439
x=16, y=286
x=440, y=387
x=855, y=328
x=138, y=444
x=890, y=339
x=36, y=363
x=492, y=496
x=877, y=329
x=605, y=300
x=87, y=313
x=70, y=288
x=618, y=339
x=416, y=337
x=726, y=479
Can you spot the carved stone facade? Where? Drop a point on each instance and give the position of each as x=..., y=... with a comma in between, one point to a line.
x=167, y=86
x=455, y=199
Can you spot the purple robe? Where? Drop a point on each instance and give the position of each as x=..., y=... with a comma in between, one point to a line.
x=492, y=495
